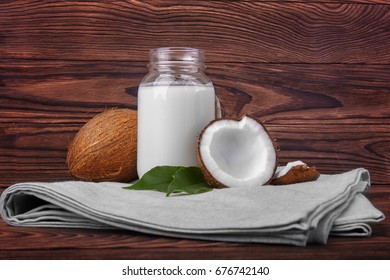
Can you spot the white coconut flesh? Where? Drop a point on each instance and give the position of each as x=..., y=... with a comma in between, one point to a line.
x=238, y=153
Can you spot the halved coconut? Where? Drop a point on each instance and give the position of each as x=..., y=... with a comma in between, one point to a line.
x=236, y=153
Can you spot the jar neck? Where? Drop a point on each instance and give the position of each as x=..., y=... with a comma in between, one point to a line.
x=176, y=60
x=176, y=67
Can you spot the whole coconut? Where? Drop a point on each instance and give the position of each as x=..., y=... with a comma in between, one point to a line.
x=105, y=148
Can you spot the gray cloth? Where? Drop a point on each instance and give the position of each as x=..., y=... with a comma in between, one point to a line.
x=293, y=214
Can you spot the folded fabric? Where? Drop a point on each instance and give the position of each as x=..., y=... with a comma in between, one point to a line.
x=292, y=214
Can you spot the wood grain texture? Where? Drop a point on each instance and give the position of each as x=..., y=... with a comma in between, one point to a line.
x=317, y=72
x=260, y=89
x=251, y=31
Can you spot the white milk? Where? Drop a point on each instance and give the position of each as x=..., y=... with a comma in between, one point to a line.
x=170, y=119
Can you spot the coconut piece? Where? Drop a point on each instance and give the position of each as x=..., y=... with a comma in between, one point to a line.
x=105, y=148
x=235, y=152
x=295, y=172
x=283, y=170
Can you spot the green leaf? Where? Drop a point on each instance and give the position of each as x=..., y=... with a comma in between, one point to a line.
x=158, y=179
x=188, y=180
x=172, y=179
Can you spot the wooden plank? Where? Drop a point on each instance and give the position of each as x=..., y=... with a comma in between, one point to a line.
x=333, y=94
x=309, y=94
x=337, y=150
x=250, y=31
x=336, y=249
x=333, y=116
x=40, y=156
x=56, y=243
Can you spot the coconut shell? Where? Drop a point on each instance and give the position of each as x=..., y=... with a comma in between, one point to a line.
x=105, y=148
x=206, y=174
x=297, y=174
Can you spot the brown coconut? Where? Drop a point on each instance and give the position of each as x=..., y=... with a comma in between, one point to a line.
x=105, y=148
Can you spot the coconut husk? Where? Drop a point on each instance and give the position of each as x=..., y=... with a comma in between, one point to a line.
x=105, y=148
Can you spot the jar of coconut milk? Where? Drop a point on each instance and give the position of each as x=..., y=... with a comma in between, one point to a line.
x=176, y=101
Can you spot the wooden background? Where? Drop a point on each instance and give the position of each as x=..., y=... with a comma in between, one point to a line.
x=318, y=73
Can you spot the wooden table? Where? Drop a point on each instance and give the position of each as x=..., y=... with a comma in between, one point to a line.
x=317, y=73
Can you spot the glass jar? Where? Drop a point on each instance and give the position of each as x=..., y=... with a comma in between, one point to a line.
x=176, y=100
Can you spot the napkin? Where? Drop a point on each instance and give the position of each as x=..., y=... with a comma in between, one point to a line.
x=293, y=214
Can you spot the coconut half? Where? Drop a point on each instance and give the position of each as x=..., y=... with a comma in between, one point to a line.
x=236, y=153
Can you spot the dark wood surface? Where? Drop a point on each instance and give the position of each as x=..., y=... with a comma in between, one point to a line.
x=317, y=73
